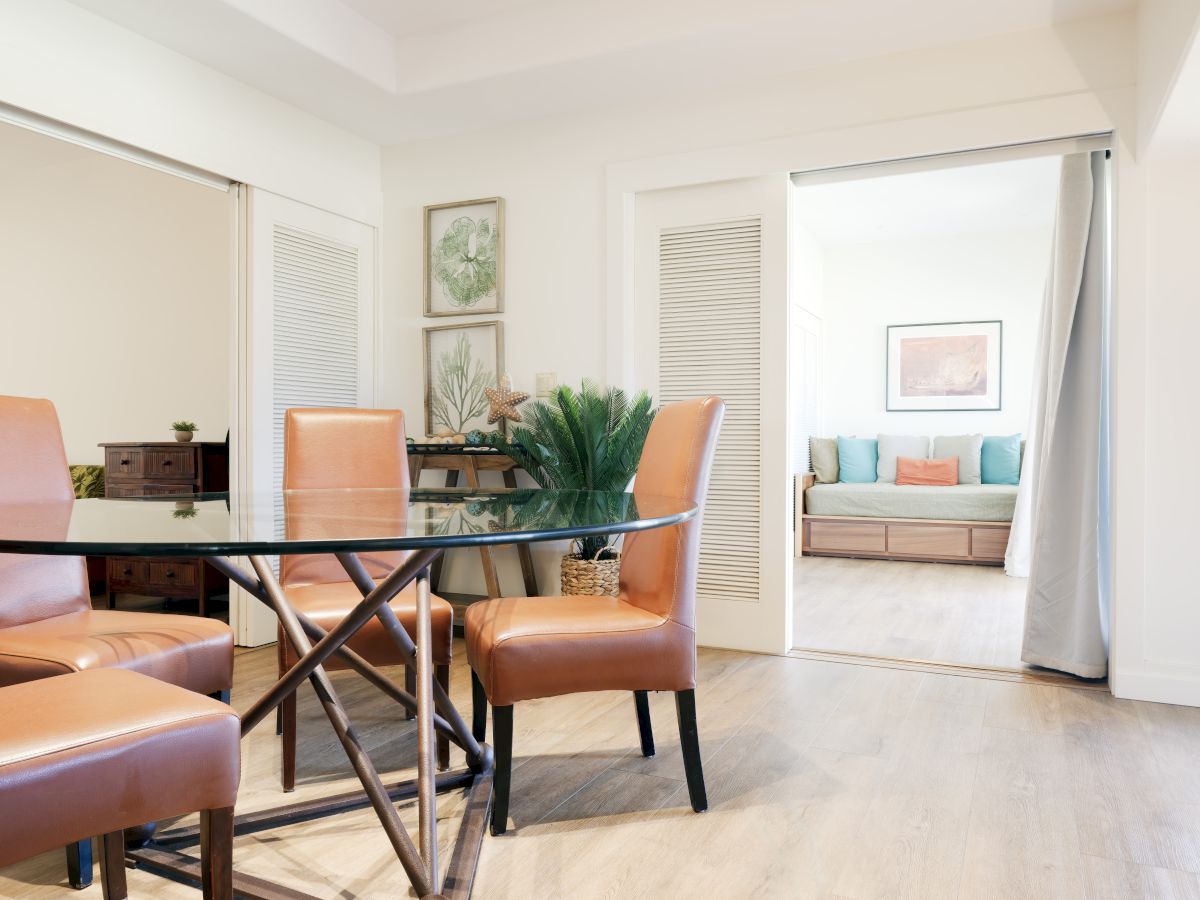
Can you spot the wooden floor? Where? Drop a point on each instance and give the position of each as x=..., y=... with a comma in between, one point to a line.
x=968, y=615
x=826, y=780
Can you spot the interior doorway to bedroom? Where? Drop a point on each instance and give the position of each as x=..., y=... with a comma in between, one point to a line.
x=917, y=305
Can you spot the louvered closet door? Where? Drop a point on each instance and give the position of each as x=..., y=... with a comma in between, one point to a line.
x=310, y=314
x=710, y=342
x=711, y=317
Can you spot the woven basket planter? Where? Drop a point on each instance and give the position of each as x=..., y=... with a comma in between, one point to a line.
x=591, y=577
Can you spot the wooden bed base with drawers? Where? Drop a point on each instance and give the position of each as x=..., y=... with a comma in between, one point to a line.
x=918, y=540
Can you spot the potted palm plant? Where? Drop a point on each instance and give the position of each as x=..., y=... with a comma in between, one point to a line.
x=184, y=430
x=586, y=441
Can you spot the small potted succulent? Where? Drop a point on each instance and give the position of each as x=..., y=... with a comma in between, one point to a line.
x=184, y=430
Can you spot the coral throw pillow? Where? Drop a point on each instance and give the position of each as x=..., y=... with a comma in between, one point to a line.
x=927, y=471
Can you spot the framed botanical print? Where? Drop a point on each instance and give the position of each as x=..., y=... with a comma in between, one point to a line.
x=464, y=258
x=944, y=366
x=460, y=362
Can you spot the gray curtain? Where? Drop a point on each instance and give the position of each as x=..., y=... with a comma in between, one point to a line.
x=1065, y=627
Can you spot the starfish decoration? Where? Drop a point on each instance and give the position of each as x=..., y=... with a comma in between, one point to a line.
x=504, y=402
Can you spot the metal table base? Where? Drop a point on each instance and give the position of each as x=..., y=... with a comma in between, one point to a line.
x=163, y=853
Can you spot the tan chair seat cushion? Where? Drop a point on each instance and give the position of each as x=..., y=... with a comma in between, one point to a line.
x=328, y=604
x=93, y=752
x=187, y=651
x=527, y=647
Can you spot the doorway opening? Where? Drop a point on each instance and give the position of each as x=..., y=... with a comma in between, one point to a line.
x=918, y=311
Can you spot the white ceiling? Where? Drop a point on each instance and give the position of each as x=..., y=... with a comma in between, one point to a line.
x=994, y=197
x=396, y=70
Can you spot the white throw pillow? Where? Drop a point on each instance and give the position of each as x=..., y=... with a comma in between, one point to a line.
x=969, y=450
x=892, y=446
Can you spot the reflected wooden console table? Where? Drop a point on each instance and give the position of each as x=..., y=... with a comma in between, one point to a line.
x=468, y=461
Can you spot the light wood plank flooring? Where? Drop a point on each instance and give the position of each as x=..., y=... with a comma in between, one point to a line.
x=826, y=780
x=972, y=615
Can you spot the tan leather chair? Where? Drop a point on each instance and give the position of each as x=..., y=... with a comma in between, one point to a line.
x=523, y=648
x=121, y=749
x=47, y=624
x=342, y=449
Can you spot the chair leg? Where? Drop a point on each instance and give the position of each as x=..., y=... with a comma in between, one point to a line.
x=478, y=708
x=112, y=866
x=288, y=711
x=410, y=686
x=79, y=864
x=502, y=725
x=689, y=739
x=223, y=696
x=442, y=674
x=216, y=853
x=641, y=700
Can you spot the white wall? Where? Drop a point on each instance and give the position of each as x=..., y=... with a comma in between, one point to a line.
x=1159, y=647
x=934, y=278
x=68, y=64
x=114, y=284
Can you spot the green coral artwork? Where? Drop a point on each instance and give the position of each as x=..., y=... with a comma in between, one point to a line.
x=464, y=261
x=457, y=395
x=464, y=258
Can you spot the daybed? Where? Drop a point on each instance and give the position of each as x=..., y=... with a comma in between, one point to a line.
x=962, y=523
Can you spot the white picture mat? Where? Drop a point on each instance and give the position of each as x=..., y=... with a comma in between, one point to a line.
x=992, y=331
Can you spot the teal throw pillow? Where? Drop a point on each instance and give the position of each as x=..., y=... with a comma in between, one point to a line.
x=1000, y=460
x=857, y=460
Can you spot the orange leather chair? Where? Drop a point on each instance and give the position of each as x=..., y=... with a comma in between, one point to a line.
x=343, y=449
x=47, y=624
x=523, y=648
x=122, y=749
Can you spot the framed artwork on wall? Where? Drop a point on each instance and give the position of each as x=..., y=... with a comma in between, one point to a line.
x=464, y=258
x=944, y=366
x=460, y=362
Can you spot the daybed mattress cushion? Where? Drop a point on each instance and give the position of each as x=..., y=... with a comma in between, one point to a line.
x=967, y=502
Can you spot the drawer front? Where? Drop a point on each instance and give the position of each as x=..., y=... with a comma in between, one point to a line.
x=863, y=537
x=149, y=489
x=126, y=572
x=171, y=463
x=989, y=543
x=124, y=462
x=174, y=573
x=929, y=540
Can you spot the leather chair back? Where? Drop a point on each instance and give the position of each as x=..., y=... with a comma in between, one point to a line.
x=658, y=567
x=33, y=470
x=332, y=449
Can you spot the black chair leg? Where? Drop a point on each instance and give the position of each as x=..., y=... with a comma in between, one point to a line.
x=442, y=674
x=223, y=696
x=641, y=700
x=410, y=686
x=502, y=725
x=478, y=708
x=689, y=739
x=79, y=864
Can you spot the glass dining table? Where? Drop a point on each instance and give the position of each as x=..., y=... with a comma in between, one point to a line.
x=355, y=526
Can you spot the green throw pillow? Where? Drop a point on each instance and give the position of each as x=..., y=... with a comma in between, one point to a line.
x=823, y=459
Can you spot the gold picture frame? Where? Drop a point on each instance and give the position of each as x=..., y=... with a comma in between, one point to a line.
x=465, y=408
x=454, y=283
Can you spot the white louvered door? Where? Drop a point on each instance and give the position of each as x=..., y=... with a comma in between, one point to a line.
x=710, y=342
x=711, y=317
x=310, y=316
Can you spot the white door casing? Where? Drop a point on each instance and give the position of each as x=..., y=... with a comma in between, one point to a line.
x=711, y=317
x=307, y=315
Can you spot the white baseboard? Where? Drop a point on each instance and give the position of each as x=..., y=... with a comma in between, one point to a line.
x=1180, y=687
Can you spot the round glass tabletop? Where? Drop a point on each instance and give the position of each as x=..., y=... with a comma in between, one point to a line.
x=326, y=521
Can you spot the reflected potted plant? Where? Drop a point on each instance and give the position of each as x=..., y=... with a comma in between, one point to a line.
x=586, y=441
x=184, y=430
